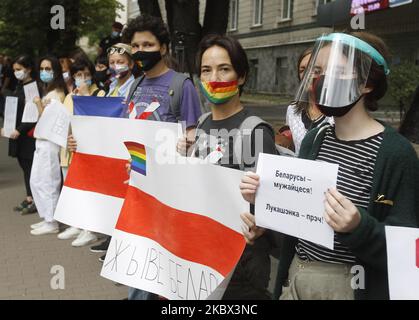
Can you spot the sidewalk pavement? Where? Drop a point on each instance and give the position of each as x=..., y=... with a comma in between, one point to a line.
x=26, y=260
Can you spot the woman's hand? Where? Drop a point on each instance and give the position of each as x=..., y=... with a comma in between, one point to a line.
x=250, y=231
x=183, y=146
x=37, y=101
x=249, y=186
x=340, y=213
x=71, y=143
x=128, y=168
x=15, y=135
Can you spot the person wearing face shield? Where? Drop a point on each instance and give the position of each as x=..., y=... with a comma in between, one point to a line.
x=378, y=176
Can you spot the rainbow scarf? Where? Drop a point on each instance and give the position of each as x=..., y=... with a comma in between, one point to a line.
x=138, y=157
x=219, y=92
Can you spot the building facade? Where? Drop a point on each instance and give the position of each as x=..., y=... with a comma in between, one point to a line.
x=275, y=32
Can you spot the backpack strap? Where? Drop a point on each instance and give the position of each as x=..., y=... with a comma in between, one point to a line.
x=134, y=87
x=199, y=124
x=243, y=139
x=176, y=93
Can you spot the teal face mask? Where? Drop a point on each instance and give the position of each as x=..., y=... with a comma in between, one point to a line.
x=46, y=76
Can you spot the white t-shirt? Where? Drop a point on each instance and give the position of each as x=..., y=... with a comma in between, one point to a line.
x=298, y=130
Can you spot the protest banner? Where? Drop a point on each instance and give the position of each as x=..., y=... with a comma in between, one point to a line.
x=94, y=190
x=179, y=231
x=403, y=262
x=53, y=124
x=10, y=114
x=290, y=198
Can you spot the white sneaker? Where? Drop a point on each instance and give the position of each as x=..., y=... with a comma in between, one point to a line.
x=85, y=237
x=69, y=233
x=37, y=225
x=46, y=228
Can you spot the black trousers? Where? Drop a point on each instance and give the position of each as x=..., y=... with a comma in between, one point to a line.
x=26, y=165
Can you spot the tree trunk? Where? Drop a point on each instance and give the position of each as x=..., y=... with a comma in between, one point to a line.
x=150, y=7
x=410, y=125
x=185, y=30
x=216, y=17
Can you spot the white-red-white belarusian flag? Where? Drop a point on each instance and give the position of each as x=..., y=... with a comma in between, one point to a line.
x=94, y=189
x=179, y=232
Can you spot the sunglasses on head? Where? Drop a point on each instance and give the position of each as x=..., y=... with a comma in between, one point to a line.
x=113, y=50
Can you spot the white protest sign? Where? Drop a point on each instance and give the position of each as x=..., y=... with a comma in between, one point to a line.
x=10, y=114
x=53, y=125
x=179, y=231
x=30, y=113
x=94, y=189
x=403, y=262
x=290, y=198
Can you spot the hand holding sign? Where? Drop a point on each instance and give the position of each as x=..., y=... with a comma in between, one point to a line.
x=248, y=186
x=290, y=198
x=341, y=214
x=250, y=231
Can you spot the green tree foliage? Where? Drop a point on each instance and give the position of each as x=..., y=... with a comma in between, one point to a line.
x=403, y=80
x=25, y=25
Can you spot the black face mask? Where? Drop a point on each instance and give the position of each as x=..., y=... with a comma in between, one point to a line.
x=339, y=108
x=101, y=76
x=147, y=59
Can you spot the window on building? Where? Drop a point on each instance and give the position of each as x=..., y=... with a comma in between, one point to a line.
x=253, y=74
x=281, y=73
x=257, y=12
x=317, y=3
x=286, y=9
x=234, y=14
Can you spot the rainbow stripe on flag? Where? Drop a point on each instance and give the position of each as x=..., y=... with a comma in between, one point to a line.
x=138, y=157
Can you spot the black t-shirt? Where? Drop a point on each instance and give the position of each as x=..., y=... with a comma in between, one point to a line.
x=216, y=139
x=218, y=136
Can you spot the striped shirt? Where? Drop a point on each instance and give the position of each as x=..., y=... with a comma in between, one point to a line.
x=356, y=160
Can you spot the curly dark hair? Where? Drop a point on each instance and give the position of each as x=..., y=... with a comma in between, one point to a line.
x=149, y=23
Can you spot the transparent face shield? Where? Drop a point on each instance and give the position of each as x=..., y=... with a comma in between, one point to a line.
x=337, y=73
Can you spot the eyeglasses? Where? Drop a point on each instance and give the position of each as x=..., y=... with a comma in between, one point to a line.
x=113, y=50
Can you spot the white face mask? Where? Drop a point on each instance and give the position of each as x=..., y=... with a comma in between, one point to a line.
x=66, y=76
x=20, y=75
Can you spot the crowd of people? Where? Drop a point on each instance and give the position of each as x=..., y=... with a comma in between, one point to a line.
x=341, y=79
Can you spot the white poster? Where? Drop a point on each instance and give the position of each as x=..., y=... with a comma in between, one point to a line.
x=403, y=262
x=179, y=231
x=53, y=125
x=290, y=198
x=30, y=113
x=10, y=114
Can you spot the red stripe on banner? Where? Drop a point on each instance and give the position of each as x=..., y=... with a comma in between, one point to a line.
x=417, y=252
x=145, y=115
x=98, y=174
x=189, y=236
